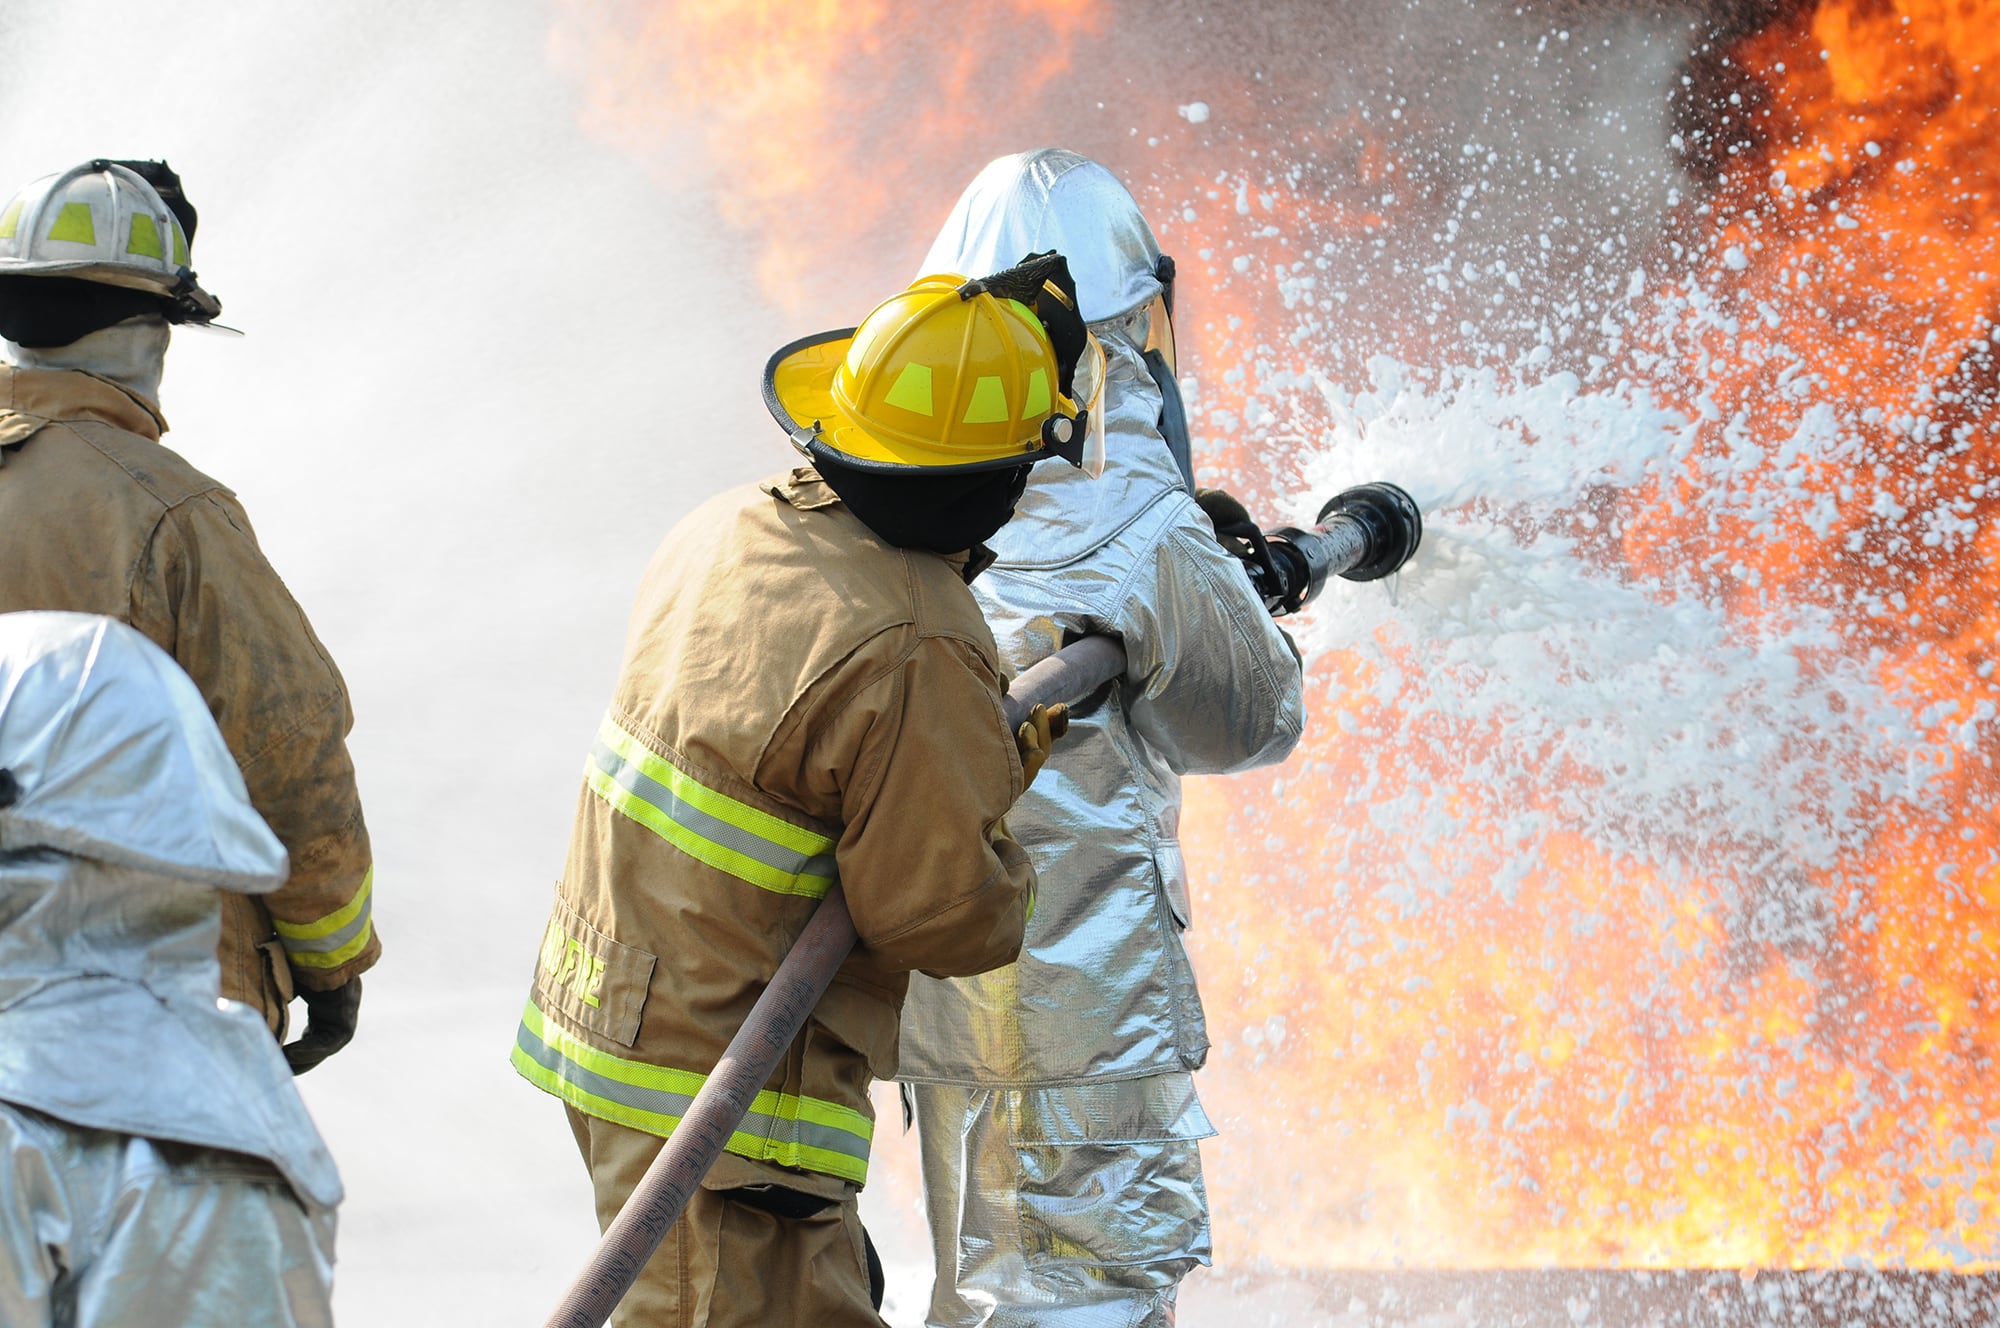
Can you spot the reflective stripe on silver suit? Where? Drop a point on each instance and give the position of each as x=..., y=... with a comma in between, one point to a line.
x=1054, y=1095
x=129, y=1090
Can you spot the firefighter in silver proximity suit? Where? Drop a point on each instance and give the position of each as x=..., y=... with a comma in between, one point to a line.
x=1054, y=1098
x=156, y=1163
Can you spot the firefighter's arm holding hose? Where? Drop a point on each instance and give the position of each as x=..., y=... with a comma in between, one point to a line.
x=1211, y=683
x=1216, y=683
x=1036, y=738
x=932, y=879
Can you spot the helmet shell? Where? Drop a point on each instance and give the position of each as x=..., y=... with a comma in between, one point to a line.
x=929, y=380
x=96, y=222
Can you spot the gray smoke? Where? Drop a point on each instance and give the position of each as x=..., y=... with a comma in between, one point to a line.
x=486, y=365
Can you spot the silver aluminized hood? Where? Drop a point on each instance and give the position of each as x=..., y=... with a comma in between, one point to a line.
x=127, y=808
x=1052, y=198
x=115, y=758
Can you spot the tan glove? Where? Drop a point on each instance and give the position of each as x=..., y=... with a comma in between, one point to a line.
x=1036, y=738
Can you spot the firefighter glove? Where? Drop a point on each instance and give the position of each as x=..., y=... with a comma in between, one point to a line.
x=1037, y=737
x=330, y=1020
x=1222, y=509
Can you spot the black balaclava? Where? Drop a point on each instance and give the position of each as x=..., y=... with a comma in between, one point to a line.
x=943, y=513
x=44, y=312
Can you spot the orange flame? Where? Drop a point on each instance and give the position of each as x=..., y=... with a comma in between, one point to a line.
x=820, y=119
x=1584, y=1058
x=1506, y=1081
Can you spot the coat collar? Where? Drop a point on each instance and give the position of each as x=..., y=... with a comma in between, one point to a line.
x=803, y=489
x=48, y=395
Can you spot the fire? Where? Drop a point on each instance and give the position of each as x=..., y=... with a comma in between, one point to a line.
x=821, y=118
x=1655, y=1034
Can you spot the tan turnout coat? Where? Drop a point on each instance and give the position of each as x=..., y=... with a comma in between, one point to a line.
x=797, y=700
x=96, y=516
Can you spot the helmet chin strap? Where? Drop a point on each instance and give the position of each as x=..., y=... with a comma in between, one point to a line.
x=132, y=354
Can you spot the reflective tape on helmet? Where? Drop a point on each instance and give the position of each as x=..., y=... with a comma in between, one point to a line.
x=10, y=220
x=74, y=225
x=791, y=1130
x=145, y=238
x=912, y=390
x=332, y=940
x=988, y=404
x=1037, y=404
x=712, y=827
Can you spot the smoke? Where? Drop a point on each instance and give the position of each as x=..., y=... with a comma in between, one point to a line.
x=487, y=364
x=507, y=274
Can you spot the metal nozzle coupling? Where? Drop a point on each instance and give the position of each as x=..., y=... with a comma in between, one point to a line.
x=1364, y=534
x=1390, y=519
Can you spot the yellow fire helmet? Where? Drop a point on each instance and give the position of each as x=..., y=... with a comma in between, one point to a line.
x=948, y=375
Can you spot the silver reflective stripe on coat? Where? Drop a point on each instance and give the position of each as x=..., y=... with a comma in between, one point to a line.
x=729, y=835
x=336, y=938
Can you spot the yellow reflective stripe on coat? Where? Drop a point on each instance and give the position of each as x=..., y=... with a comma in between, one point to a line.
x=731, y=836
x=785, y=1128
x=332, y=940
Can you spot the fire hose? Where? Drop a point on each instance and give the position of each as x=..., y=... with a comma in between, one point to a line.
x=1363, y=533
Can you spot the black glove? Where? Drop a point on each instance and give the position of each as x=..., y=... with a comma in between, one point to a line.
x=330, y=1020
x=1277, y=570
x=1224, y=512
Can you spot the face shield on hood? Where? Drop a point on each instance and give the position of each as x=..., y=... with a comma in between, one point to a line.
x=108, y=752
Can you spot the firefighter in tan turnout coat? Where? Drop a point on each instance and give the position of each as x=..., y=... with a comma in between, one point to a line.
x=809, y=694
x=97, y=516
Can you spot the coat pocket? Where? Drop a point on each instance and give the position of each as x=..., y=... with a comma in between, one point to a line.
x=1172, y=867
x=1137, y=1207
x=592, y=979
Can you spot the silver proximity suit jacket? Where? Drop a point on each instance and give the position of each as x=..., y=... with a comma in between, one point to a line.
x=1103, y=989
x=124, y=816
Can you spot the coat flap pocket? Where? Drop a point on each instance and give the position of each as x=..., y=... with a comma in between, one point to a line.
x=591, y=978
x=1124, y=1111
x=1173, y=881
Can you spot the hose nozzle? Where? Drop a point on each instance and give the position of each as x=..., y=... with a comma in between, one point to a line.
x=1393, y=525
x=1364, y=534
